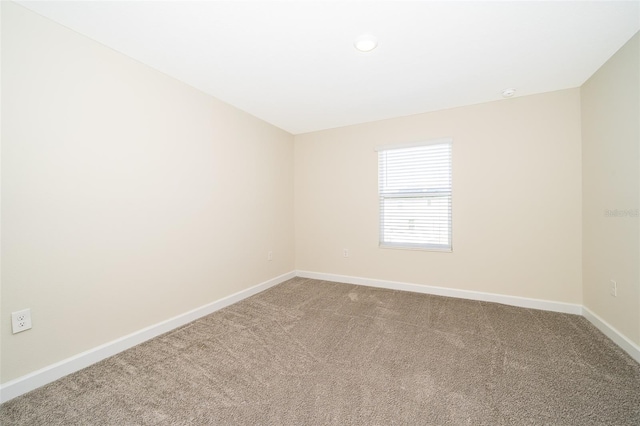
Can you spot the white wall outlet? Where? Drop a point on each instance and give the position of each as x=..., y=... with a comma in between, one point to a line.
x=345, y=252
x=21, y=320
x=269, y=255
x=613, y=289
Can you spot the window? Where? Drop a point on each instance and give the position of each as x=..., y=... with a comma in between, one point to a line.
x=414, y=182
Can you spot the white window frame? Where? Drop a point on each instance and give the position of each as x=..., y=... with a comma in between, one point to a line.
x=417, y=241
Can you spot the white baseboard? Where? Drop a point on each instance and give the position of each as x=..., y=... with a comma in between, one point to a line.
x=608, y=330
x=77, y=362
x=618, y=338
x=523, y=302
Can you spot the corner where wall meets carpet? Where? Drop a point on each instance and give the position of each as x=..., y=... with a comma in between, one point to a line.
x=60, y=369
x=317, y=352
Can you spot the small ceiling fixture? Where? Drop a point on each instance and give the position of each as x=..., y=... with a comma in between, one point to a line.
x=507, y=93
x=366, y=43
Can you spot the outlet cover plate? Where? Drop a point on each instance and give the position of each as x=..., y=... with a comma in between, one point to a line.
x=21, y=320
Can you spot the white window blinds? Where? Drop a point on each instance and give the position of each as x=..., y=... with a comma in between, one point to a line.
x=415, y=195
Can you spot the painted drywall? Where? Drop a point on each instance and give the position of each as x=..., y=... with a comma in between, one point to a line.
x=516, y=199
x=611, y=190
x=128, y=196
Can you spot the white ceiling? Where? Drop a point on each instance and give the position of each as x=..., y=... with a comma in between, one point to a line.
x=292, y=63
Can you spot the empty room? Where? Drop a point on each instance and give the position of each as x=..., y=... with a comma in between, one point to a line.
x=320, y=212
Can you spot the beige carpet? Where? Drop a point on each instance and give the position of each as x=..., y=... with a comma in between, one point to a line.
x=314, y=352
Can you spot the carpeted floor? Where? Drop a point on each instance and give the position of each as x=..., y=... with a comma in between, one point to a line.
x=311, y=352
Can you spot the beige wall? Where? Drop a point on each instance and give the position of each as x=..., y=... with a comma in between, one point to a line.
x=516, y=199
x=611, y=181
x=128, y=197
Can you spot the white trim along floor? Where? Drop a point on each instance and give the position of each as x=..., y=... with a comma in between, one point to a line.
x=60, y=369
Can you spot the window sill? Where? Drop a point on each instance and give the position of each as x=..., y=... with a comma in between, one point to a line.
x=418, y=248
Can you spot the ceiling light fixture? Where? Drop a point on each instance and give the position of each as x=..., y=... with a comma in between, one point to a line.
x=507, y=93
x=366, y=43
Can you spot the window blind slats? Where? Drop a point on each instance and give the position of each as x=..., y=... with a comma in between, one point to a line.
x=415, y=196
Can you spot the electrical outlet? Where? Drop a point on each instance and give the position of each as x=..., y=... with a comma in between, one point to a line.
x=345, y=252
x=613, y=289
x=270, y=256
x=21, y=320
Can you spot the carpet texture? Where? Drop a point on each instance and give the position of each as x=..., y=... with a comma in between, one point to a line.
x=310, y=352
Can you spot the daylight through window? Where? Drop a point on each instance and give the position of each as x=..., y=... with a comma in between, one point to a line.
x=414, y=182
